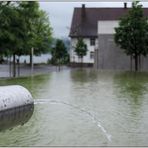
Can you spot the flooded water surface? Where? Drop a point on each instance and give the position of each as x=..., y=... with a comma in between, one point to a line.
x=83, y=108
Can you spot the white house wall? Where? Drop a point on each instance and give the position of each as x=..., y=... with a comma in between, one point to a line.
x=86, y=59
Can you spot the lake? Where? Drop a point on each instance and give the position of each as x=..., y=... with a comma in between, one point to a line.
x=83, y=108
x=43, y=58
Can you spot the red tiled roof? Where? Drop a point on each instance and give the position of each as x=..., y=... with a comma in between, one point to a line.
x=86, y=26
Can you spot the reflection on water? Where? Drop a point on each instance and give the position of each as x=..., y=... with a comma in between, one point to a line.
x=16, y=116
x=81, y=75
x=131, y=91
x=132, y=88
x=84, y=108
x=133, y=85
x=33, y=83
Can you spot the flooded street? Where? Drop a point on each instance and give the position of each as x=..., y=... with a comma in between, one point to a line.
x=83, y=108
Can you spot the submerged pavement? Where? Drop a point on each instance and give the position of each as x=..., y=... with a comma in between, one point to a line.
x=25, y=70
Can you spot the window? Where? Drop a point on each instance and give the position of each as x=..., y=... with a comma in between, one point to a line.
x=92, y=41
x=91, y=55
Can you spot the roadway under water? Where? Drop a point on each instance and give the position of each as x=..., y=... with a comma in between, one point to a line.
x=83, y=108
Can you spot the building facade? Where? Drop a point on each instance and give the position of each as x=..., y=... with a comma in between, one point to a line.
x=89, y=58
x=97, y=25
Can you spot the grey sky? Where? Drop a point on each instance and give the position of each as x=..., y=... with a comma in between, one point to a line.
x=60, y=13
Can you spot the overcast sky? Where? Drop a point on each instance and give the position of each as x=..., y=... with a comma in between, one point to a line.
x=60, y=13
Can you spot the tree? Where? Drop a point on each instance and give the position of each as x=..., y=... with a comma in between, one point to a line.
x=39, y=32
x=11, y=30
x=81, y=49
x=42, y=34
x=23, y=26
x=132, y=33
x=59, y=53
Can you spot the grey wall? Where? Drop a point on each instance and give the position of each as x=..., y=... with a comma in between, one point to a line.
x=111, y=57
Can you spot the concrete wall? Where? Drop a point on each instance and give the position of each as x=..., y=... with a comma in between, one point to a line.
x=86, y=59
x=112, y=57
x=108, y=55
x=107, y=27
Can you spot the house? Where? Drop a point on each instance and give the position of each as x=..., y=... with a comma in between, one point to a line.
x=96, y=27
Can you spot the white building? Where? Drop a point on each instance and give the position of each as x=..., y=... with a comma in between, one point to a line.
x=79, y=28
x=89, y=58
x=96, y=27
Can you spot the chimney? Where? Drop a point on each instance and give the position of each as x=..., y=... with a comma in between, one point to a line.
x=83, y=10
x=125, y=5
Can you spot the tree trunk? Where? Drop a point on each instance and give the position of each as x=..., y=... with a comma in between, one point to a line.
x=7, y=59
x=131, y=59
x=10, y=66
x=30, y=59
x=81, y=62
x=136, y=62
x=14, y=66
x=59, y=66
x=18, y=64
x=139, y=62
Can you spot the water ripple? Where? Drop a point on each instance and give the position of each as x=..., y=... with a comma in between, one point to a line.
x=98, y=123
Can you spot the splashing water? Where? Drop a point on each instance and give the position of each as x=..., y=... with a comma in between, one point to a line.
x=43, y=101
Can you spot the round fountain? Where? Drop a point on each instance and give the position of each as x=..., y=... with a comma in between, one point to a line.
x=14, y=96
x=16, y=106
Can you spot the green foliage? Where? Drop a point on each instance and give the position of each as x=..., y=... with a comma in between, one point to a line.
x=11, y=29
x=132, y=33
x=81, y=48
x=59, y=53
x=42, y=31
x=23, y=26
x=38, y=30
